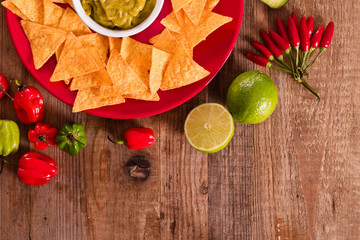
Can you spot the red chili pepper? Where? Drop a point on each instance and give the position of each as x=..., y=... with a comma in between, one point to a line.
x=43, y=136
x=304, y=35
x=296, y=21
x=259, y=60
x=327, y=37
x=4, y=85
x=271, y=45
x=293, y=33
x=281, y=29
x=280, y=42
x=36, y=168
x=310, y=25
x=29, y=104
x=316, y=38
x=261, y=48
x=137, y=138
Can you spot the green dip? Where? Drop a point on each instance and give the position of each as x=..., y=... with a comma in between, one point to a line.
x=118, y=14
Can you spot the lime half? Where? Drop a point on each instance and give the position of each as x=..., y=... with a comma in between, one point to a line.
x=209, y=127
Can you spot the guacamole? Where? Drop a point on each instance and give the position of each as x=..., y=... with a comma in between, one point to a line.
x=118, y=14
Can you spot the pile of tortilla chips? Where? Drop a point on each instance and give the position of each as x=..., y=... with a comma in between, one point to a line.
x=107, y=70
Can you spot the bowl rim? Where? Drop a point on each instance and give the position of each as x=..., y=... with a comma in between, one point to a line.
x=114, y=32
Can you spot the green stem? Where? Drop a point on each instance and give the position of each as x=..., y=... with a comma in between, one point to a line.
x=317, y=56
x=281, y=69
x=304, y=59
x=308, y=87
x=292, y=67
x=1, y=89
x=42, y=138
x=118, y=142
x=297, y=57
x=287, y=65
x=281, y=64
x=71, y=138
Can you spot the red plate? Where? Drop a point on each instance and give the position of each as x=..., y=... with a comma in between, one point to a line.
x=211, y=54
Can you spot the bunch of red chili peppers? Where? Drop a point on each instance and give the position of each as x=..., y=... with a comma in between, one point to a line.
x=298, y=42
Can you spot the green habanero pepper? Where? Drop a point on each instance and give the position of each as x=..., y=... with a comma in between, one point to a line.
x=71, y=138
x=9, y=137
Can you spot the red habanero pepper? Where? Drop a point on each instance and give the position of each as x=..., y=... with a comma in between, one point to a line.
x=262, y=49
x=271, y=45
x=327, y=37
x=281, y=29
x=4, y=85
x=36, y=168
x=296, y=21
x=293, y=33
x=310, y=25
x=280, y=42
x=43, y=136
x=29, y=104
x=316, y=38
x=137, y=138
x=304, y=35
x=259, y=60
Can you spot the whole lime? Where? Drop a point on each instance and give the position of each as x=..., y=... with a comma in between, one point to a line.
x=252, y=97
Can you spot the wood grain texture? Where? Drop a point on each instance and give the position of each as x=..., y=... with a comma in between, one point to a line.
x=295, y=176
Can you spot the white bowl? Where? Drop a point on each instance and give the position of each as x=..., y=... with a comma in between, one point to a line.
x=114, y=32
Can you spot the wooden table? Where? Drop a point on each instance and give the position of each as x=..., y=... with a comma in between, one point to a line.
x=295, y=176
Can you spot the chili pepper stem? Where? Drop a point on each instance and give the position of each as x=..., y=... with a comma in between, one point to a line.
x=116, y=142
x=304, y=59
x=2, y=90
x=292, y=67
x=297, y=57
x=308, y=87
x=280, y=64
x=71, y=138
x=317, y=56
x=308, y=57
x=281, y=69
x=43, y=139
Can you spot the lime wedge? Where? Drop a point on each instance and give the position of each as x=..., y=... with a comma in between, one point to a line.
x=209, y=127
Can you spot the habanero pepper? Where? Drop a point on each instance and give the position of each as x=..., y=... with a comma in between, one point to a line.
x=9, y=137
x=71, y=138
x=29, y=104
x=36, y=168
x=138, y=138
x=43, y=136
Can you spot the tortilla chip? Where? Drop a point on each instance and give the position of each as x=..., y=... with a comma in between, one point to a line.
x=68, y=81
x=171, y=23
x=32, y=9
x=178, y=4
x=160, y=61
x=94, y=54
x=71, y=22
x=130, y=48
x=97, y=40
x=147, y=96
x=70, y=3
x=58, y=1
x=194, y=10
x=95, y=79
x=52, y=14
x=43, y=40
x=115, y=43
x=91, y=98
x=141, y=66
x=10, y=6
x=209, y=22
x=182, y=70
x=154, y=39
x=211, y=4
x=124, y=79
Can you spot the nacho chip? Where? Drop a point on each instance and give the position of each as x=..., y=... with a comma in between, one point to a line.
x=147, y=96
x=71, y=22
x=115, y=43
x=70, y=3
x=97, y=40
x=91, y=98
x=178, y=4
x=194, y=10
x=10, y=6
x=182, y=40
x=141, y=66
x=154, y=39
x=58, y=1
x=124, y=79
x=182, y=71
x=68, y=81
x=160, y=61
x=211, y=4
x=52, y=14
x=43, y=40
x=171, y=23
x=130, y=48
x=95, y=79
x=32, y=9
x=166, y=42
